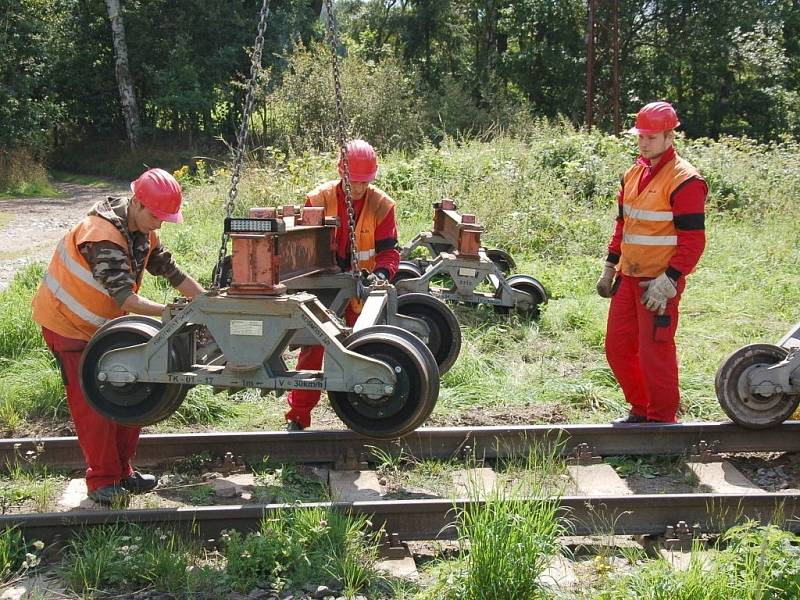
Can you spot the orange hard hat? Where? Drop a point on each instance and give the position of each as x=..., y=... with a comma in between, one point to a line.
x=655, y=118
x=362, y=160
x=161, y=193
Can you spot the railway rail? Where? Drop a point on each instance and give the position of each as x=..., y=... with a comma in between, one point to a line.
x=347, y=447
x=428, y=519
x=433, y=519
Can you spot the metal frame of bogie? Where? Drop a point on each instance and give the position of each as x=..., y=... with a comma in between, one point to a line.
x=521, y=292
x=381, y=380
x=758, y=385
x=436, y=244
x=428, y=318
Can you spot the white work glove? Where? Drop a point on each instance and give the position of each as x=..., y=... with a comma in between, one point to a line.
x=657, y=292
x=606, y=281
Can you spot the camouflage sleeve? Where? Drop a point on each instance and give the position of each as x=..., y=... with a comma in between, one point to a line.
x=162, y=264
x=109, y=265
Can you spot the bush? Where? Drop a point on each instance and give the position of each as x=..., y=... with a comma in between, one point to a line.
x=379, y=98
x=21, y=174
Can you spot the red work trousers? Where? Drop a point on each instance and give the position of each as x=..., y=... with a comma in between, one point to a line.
x=302, y=402
x=106, y=445
x=640, y=347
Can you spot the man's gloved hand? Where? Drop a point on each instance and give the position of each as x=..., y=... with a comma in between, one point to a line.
x=657, y=292
x=606, y=281
x=376, y=278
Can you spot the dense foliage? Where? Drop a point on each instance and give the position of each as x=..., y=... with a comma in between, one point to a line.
x=420, y=68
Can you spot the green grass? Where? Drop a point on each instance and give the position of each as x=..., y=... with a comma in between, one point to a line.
x=287, y=483
x=17, y=555
x=130, y=558
x=548, y=197
x=85, y=180
x=28, y=485
x=755, y=563
x=307, y=546
x=507, y=543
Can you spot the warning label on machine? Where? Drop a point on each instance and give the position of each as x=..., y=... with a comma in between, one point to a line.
x=241, y=327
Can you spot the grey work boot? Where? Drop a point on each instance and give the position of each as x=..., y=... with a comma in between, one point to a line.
x=111, y=495
x=139, y=483
x=630, y=419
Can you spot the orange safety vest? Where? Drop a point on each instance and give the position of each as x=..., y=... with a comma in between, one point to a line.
x=377, y=205
x=70, y=301
x=649, y=236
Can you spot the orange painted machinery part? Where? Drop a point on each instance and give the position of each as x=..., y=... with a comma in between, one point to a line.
x=460, y=230
x=285, y=243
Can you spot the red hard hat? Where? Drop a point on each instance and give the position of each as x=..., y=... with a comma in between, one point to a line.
x=362, y=160
x=655, y=118
x=161, y=193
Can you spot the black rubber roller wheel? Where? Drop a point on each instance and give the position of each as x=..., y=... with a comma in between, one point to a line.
x=734, y=381
x=137, y=403
x=444, y=341
x=407, y=269
x=532, y=287
x=415, y=392
x=501, y=259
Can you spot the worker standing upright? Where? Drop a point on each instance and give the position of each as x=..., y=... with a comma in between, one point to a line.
x=657, y=241
x=94, y=276
x=376, y=251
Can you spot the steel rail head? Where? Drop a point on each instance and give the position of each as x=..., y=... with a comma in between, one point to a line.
x=431, y=519
x=431, y=442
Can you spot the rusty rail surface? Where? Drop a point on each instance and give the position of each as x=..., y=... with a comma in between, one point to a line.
x=344, y=446
x=434, y=519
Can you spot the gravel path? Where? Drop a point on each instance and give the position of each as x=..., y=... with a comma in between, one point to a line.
x=37, y=224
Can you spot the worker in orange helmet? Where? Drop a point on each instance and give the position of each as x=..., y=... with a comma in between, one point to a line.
x=376, y=248
x=94, y=276
x=658, y=239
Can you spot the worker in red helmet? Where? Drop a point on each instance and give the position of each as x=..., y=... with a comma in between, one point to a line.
x=376, y=248
x=658, y=239
x=94, y=276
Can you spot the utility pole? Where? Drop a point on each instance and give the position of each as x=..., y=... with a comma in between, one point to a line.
x=602, y=65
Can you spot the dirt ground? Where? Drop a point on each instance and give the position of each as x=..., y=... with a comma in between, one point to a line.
x=36, y=224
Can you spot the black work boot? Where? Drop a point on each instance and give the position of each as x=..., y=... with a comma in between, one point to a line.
x=111, y=495
x=139, y=483
x=630, y=419
x=294, y=426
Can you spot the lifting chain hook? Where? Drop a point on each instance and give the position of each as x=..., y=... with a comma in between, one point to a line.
x=341, y=134
x=241, y=140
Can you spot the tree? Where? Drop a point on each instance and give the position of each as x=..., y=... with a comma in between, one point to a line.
x=124, y=81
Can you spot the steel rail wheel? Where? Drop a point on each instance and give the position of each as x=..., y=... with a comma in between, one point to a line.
x=445, y=334
x=136, y=403
x=734, y=381
x=414, y=395
x=502, y=259
x=406, y=270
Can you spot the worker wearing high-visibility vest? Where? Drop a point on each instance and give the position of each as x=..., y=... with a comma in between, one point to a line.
x=376, y=251
x=658, y=239
x=94, y=276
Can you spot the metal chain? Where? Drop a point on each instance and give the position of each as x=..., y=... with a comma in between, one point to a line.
x=241, y=140
x=341, y=134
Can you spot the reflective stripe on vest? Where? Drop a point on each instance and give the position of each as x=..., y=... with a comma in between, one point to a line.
x=377, y=205
x=78, y=270
x=651, y=240
x=649, y=236
x=71, y=303
x=646, y=215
